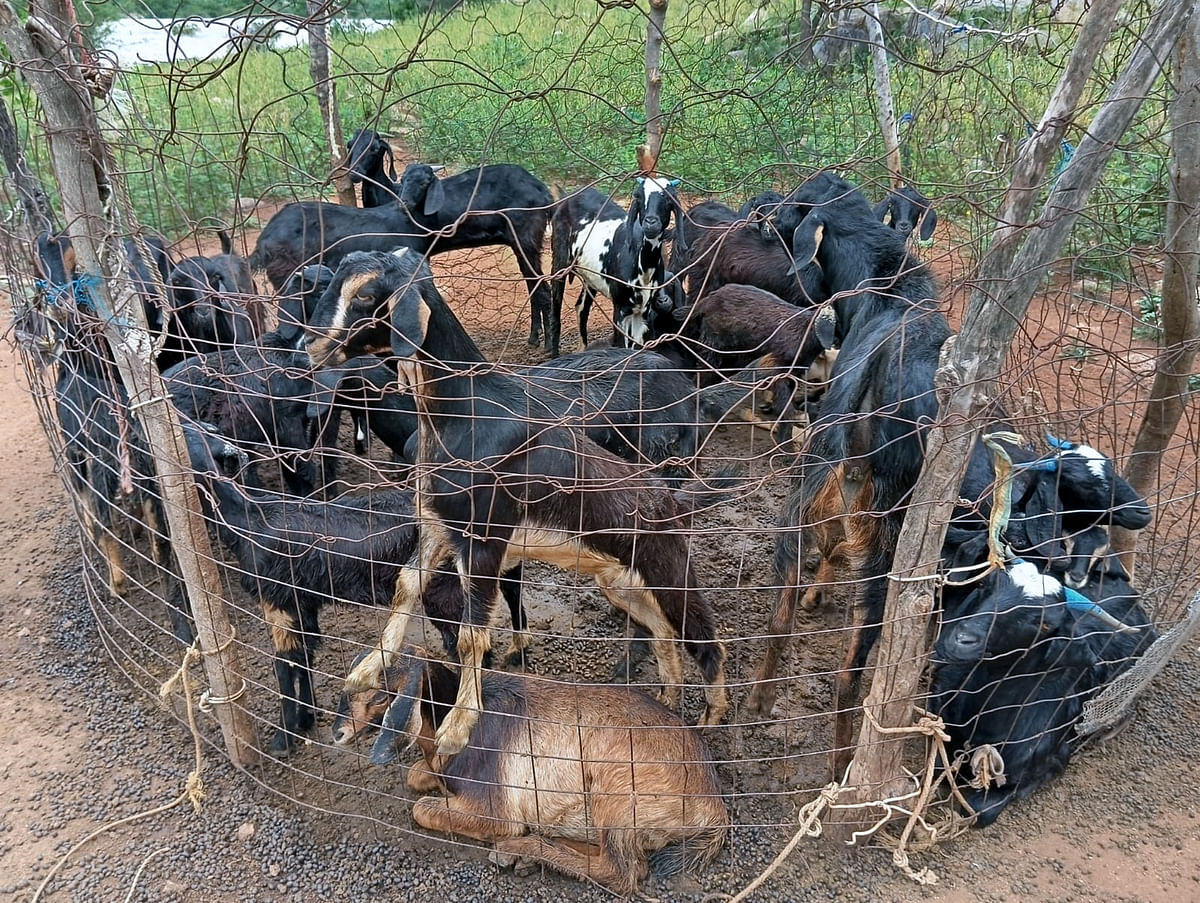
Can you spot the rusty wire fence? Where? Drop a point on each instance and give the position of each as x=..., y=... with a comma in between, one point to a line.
x=305, y=516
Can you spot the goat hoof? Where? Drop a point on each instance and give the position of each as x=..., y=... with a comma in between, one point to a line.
x=503, y=860
x=761, y=700
x=283, y=742
x=669, y=696
x=713, y=715
x=451, y=737
x=364, y=677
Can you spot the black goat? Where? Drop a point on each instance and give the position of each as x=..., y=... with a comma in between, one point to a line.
x=615, y=253
x=207, y=312
x=635, y=404
x=724, y=250
x=555, y=773
x=497, y=204
x=367, y=389
x=258, y=396
x=865, y=448
x=108, y=457
x=56, y=259
x=504, y=483
x=906, y=209
x=296, y=556
x=824, y=188
x=1014, y=663
x=370, y=162
x=298, y=299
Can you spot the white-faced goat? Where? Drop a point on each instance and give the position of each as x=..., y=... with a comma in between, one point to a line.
x=501, y=482
x=1015, y=661
x=908, y=212
x=370, y=163
x=599, y=783
x=297, y=556
x=615, y=253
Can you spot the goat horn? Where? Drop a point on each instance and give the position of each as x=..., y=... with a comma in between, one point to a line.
x=1081, y=604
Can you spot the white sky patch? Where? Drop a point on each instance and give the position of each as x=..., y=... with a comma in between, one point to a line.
x=1032, y=582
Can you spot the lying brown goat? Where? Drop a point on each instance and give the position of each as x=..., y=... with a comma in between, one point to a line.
x=597, y=782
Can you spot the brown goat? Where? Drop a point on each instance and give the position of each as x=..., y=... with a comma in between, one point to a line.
x=597, y=782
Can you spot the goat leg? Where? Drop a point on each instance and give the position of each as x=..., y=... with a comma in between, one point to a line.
x=585, y=861
x=627, y=592
x=763, y=694
x=368, y=673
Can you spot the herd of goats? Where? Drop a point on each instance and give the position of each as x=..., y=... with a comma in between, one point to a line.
x=588, y=463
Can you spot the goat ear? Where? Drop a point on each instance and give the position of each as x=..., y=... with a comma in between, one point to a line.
x=391, y=160
x=825, y=327
x=681, y=245
x=807, y=240
x=434, y=197
x=403, y=717
x=883, y=210
x=928, y=224
x=410, y=322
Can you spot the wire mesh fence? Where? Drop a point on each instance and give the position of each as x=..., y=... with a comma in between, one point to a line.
x=393, y=472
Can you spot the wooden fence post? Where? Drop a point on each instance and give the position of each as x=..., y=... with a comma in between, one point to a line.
x=41, y=53
x=331, y=121
x=1178, y=316
x=647, y=154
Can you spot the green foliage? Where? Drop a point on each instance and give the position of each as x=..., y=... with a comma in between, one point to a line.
x=1149, y=325
x=558, y=86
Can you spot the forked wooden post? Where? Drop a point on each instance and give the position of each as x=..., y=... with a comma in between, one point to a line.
x=647, y=154
x=1007, y=280
x=40, y=53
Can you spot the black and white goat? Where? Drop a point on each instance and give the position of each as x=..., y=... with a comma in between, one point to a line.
x=501, y=482
x=1014, y=663
x=616, y=253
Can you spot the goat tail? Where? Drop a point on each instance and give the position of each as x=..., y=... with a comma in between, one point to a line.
x=690, y=855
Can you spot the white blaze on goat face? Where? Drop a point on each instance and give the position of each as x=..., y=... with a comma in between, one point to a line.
x=588, y=250
x=1032, y=583
x=650, y=189
x=1097, y=461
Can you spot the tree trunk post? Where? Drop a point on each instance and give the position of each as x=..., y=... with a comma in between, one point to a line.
x=883, y=94
x=647, y=154
x=331, y=122
x=44, y=57
x=34, y=200
x=1181, y=258
x=967, y=372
